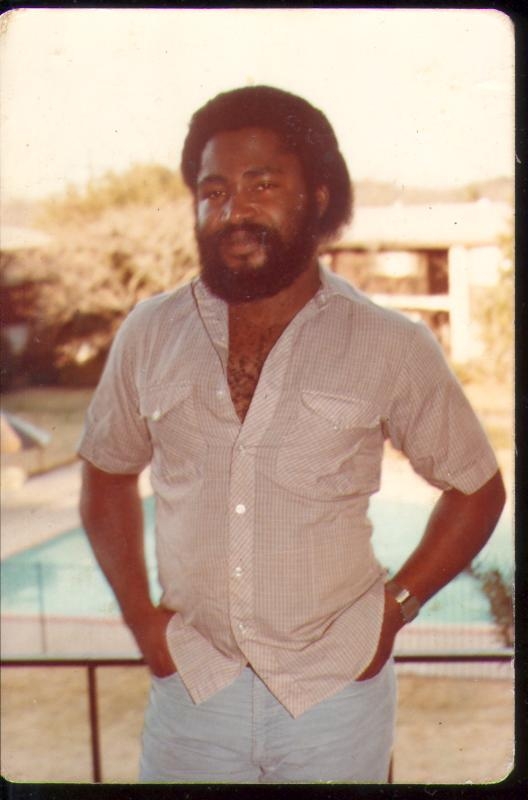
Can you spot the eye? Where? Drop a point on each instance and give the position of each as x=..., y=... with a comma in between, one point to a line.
x=213, y=194
x=264, y=186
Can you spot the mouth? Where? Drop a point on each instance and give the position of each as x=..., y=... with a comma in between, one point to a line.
x=241, y=243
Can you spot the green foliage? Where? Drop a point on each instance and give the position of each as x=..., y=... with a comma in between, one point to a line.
x=494, y=313
x=142, y=184
x=119, y=240
x=499, y=592
x=496, y=316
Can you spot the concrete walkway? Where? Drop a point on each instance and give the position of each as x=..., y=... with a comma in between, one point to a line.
x=42, y=507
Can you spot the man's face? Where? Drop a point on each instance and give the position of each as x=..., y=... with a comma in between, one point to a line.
x=256, y=228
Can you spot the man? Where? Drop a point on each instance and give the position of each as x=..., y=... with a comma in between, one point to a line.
x=261, y=395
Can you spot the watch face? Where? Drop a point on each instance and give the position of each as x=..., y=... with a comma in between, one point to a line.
x=403, y=595
x=409, y=605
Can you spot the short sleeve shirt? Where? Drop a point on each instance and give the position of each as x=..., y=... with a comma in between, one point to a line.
x=262, y=531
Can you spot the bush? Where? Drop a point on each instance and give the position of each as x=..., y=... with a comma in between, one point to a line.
x=142, y=184
x=122, y=239
x=498, y=590
x=494, y=314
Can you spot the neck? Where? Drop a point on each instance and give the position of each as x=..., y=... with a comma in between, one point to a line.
x=280, y=308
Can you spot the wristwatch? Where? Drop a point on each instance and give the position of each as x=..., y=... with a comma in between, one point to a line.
x=409, y=604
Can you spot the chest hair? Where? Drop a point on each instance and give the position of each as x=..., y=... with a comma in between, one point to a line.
x=249, y=346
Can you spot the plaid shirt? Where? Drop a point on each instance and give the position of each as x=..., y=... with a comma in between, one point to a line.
x=263, y=539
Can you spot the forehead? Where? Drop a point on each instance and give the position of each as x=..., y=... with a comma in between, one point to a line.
x=231, y=152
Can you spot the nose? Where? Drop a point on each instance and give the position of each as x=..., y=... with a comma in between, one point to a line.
x=238, y=208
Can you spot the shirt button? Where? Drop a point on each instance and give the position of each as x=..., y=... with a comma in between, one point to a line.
x=240, y=508
x=241, y=627
x=220, y=393
x=238, y=571
x=156, y=415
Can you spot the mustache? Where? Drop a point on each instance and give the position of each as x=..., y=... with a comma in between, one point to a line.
x=260, y=232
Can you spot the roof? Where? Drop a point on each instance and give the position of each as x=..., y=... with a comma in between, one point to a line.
x=427, y=226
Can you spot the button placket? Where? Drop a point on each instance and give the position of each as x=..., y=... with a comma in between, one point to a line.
x=242, y=482
x=241, y=544
x=269, y=389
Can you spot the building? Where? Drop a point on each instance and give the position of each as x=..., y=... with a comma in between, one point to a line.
x=429, y=261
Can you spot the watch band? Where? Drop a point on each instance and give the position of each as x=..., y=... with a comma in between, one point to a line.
x=409, y=604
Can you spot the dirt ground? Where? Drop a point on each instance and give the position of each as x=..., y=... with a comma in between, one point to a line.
x=449, y=730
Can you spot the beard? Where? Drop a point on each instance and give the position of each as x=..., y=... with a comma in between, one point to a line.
x=284, y=261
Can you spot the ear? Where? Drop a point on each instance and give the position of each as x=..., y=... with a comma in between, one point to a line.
x=322, y=198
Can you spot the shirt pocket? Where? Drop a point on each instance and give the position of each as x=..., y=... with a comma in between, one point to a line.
x=179, y=448
x=333, y=449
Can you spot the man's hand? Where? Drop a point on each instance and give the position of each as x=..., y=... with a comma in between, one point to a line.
x=392, y=622
x=458, y=528
x=112, y=516
x=150, y=634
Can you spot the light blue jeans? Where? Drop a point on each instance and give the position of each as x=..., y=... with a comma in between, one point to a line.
x=243, y=734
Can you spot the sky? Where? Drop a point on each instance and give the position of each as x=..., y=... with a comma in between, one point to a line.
x=416, y=97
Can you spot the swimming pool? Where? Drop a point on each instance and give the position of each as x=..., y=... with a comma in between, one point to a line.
x=61, y=577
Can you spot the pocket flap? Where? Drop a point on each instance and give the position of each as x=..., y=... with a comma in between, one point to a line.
x=156, y=401
x=343, y=412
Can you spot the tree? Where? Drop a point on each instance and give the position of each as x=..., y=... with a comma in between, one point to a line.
x=124, y=238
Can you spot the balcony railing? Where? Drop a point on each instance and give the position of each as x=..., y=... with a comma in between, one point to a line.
x=92, y=665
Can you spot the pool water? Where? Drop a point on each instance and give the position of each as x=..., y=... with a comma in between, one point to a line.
x=61, y=577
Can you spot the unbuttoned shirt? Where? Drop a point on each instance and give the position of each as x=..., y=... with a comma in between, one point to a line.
x=263, y=538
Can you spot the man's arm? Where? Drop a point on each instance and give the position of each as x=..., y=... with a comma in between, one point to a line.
x=112, y=516
x=458, y=528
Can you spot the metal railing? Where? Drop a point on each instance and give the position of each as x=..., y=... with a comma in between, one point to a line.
x=92, y=665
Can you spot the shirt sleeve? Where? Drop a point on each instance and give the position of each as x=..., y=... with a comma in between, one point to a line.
x=115, y=437
x=432, y=422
